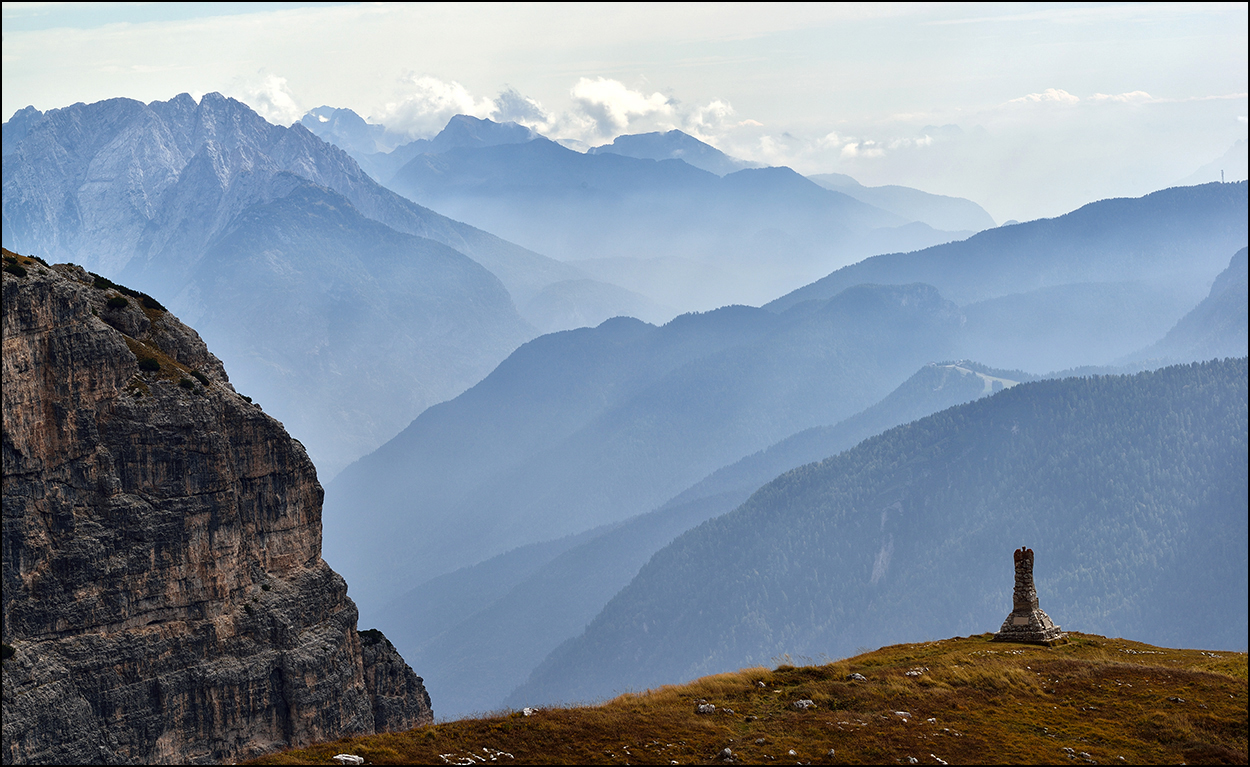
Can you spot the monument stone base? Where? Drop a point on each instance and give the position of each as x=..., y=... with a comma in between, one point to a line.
x=1030, y=626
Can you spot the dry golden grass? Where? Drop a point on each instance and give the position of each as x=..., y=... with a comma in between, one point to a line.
x=1107, y=700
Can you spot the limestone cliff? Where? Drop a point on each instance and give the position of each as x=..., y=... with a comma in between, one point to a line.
x=164, y=593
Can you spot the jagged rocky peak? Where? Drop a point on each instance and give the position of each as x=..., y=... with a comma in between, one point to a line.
x=165, y=600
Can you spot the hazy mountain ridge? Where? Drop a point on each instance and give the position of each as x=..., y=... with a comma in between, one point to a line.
x=936, y=210
x=357, y=324
x=381, y=153
x=701, y=391
x=1086, y=288
x=1028, y=327
x=1233, y=165
x=350, y=132
x=1075, y=325
x=1182, y=234
x=934, y=387
x=674, y=145
x=1216, y=327
x=147, y=194
x=748, y=236
x=900, y=535
x=487, y=650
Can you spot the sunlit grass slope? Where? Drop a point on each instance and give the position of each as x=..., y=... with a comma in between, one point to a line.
x=961, y=700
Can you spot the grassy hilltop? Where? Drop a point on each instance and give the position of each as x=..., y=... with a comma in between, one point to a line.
x=1092, y=700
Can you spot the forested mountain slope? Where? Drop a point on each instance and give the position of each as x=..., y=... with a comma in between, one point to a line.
x=1214, y=328
x=1120, y=483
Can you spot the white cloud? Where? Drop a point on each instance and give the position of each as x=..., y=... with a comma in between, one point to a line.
x=710, y=120
x=612, y=107
x=850, y=147
x=867, y=148
x=427, y=106
x=1134, y=97
x=511, y=106
x=1050, y=94
x=270, y=97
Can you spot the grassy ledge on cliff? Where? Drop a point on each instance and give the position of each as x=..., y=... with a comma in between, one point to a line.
x=958, y=701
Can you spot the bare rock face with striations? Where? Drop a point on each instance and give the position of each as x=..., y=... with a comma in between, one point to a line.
x=165, y=600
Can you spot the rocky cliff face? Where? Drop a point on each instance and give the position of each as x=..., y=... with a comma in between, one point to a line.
x=164, y=593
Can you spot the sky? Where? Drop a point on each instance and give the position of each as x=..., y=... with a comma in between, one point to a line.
x=1031, y=110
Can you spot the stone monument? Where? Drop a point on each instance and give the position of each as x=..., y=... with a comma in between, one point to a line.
x=1027, y=622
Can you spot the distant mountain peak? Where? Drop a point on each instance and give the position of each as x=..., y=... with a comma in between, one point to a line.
x=950, y=214
x=469, y=131
x=348, y=130
x=674, y=145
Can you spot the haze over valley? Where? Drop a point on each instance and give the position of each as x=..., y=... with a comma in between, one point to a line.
x=654, y=365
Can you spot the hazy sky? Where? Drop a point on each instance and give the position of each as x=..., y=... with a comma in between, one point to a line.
x=1031, y=110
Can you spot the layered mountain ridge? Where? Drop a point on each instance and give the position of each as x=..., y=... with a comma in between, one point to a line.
x=500, y=618
x=574, y=460
x=152, y=194
x=1124, y=482
x=938, y=211
x=674, y=145
x=593, y=426
x=666, y=229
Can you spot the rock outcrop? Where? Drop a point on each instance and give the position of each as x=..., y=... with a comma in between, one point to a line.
x=165, y=600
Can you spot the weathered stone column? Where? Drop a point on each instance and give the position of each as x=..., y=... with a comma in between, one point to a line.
x=1027, y=622
x=1024, y=597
